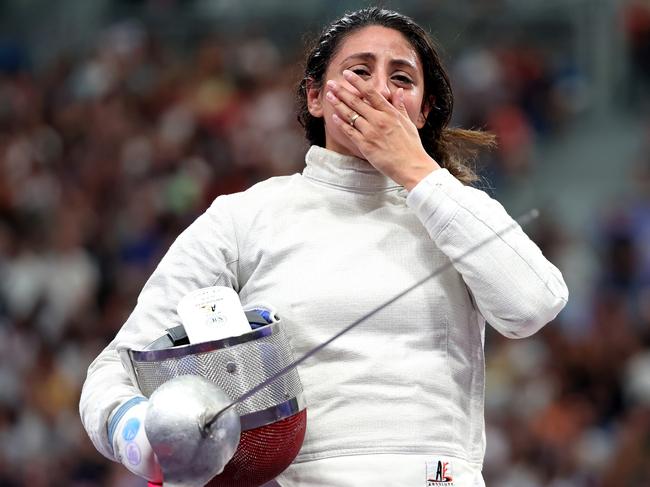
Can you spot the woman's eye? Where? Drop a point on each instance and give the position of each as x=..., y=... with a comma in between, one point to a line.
x=403, y=79
x=360, y=72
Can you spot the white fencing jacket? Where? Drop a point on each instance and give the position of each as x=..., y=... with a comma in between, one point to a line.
x=329, y=245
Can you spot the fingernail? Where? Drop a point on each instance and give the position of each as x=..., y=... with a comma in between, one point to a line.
x=348, y=74
x=330, y=96
x=336, y=118
x=331, y=84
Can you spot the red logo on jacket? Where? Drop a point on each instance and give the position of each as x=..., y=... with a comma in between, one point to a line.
x=439, y=474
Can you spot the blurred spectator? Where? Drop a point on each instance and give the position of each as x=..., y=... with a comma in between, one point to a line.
x=636, y=19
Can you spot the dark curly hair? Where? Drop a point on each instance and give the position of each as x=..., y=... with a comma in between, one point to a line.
x=452, y=148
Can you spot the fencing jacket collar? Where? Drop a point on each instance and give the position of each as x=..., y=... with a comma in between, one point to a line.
x=346, y=172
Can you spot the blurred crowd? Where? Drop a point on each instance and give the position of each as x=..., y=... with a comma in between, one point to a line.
x=106, y=155
x=570, y=406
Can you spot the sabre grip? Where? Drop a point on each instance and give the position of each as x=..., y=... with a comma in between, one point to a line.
x=131, y=446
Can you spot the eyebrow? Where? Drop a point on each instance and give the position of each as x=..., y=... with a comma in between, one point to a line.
x=369, y=56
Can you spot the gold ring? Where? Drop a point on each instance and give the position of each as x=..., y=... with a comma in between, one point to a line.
x=353, y=119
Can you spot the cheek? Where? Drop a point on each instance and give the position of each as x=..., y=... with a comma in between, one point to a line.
x=413, y=106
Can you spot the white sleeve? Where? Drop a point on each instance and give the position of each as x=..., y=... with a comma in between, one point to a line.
x=516, y=289
x=205, y=254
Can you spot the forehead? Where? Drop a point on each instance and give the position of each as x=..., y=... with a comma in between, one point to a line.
x=378, y=40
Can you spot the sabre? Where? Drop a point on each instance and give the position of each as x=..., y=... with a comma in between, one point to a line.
x=522, y=220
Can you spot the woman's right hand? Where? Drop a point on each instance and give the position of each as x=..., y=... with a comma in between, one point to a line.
x=129, y=439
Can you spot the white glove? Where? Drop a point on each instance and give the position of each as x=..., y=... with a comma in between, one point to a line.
x=129, y=439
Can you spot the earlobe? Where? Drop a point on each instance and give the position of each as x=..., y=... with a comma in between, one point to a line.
x=314, y=102
x=422, y=119
x=424, y=113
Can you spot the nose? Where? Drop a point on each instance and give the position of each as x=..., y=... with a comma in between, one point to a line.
x=382, y=85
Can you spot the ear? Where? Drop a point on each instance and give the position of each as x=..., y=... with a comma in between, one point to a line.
x=314, y=101
x=424, y=112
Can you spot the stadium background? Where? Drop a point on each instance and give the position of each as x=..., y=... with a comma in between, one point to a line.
x=121, y=120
